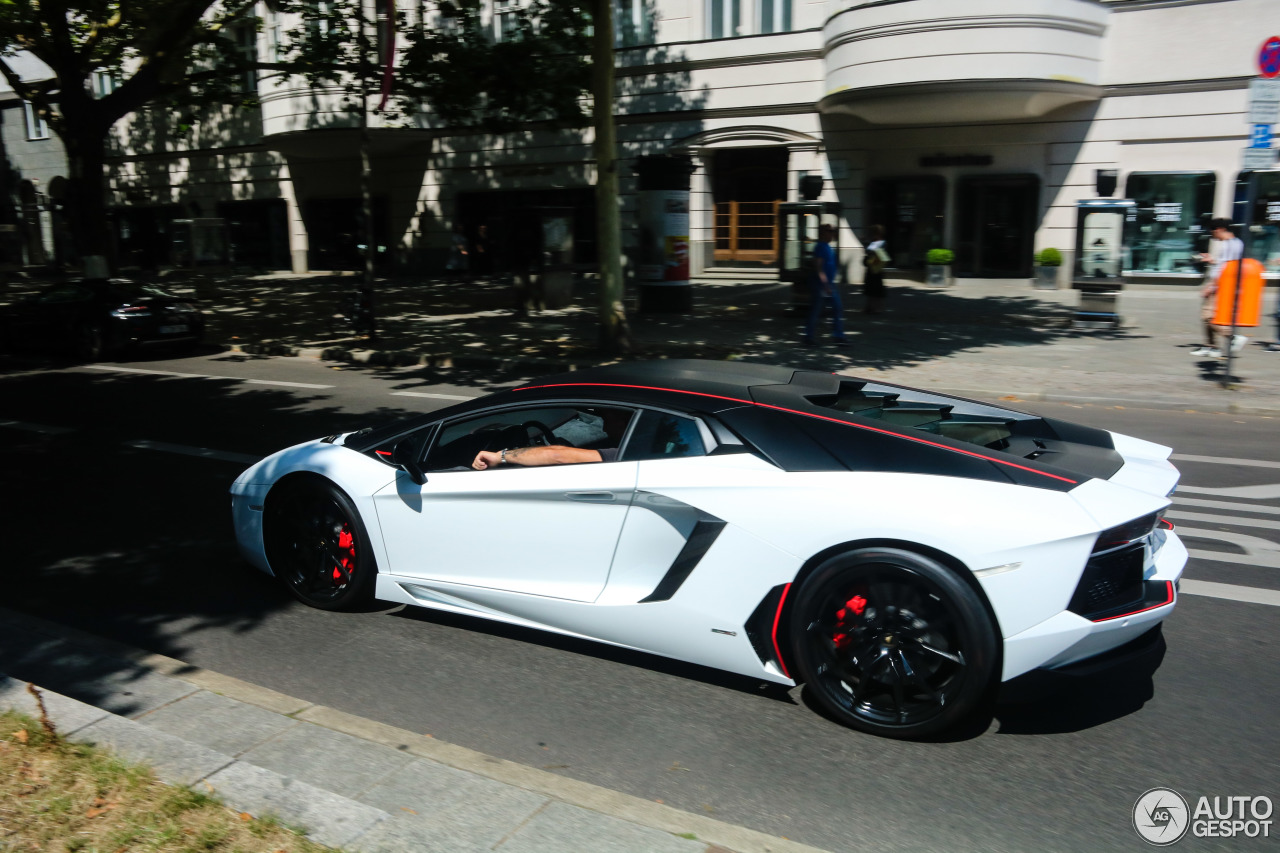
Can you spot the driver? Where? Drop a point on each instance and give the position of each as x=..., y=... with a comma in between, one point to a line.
x=555, y=454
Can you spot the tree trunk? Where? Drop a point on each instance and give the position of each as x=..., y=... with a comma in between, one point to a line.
x=366, y=179
x=615, y=336
x=86, y=199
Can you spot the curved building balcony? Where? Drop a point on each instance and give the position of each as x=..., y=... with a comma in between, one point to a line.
x=942, y=61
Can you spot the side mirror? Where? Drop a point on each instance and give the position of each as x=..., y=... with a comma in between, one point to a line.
x=404, y=456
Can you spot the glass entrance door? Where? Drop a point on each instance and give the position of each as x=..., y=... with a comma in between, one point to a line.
x=996, y=218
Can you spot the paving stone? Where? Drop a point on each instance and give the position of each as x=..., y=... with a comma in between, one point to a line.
x=176, y=761
x=461, y=828
x=327, y=759
x=217, y=722
x=561, y=827
x=67, y=715
x=427, y=787
x=326, y=817
x=115, y=685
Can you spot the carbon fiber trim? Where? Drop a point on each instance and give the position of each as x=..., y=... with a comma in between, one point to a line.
x=704, y=535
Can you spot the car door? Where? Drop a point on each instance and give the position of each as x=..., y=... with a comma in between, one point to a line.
x=44, y=320
x=547, y=531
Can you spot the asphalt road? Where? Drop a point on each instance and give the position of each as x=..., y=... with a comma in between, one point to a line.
x=117, y=521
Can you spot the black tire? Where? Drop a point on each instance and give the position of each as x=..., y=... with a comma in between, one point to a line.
x=893, y=643
x=317, y=545
x=90, y=341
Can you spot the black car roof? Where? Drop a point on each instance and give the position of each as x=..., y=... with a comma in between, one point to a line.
x=754, y=397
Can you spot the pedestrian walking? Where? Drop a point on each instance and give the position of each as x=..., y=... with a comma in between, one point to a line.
x=875, y=260
x=823, y=288
x=1226, y=247
x=457, y=264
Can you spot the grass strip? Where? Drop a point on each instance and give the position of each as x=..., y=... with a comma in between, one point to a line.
x=58, y=797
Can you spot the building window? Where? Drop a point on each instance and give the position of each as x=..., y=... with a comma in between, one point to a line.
x=724, y=18
x=37, y=127
x=775, y=16
x=104, y=83
x=633, y=23
x=506, y=18
x=1169, y=225
x=245, y=36
x=1264, y=220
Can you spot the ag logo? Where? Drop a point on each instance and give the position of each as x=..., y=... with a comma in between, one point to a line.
x=1161, y=816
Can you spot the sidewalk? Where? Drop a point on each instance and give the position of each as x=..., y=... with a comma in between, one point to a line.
x=983, y=338
x=350, y=782
x=992, y=338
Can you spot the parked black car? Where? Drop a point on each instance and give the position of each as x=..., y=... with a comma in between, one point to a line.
x=92, y=319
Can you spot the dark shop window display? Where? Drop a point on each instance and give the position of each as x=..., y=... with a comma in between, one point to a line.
x=1264, y=219
x=912, y=212
x=1169, y=225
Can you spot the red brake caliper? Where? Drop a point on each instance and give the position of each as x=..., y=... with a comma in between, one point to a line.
x=852, y=608
x=347, y=545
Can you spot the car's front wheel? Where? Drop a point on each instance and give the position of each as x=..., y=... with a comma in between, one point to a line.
x=317, y=545
x=892, y=642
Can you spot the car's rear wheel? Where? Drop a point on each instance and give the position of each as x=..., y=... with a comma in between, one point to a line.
x=893, y=643
x=317, y=545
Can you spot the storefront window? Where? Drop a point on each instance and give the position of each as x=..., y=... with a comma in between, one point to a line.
x=1264, y=220
x=1169, y=225
x=911, y=211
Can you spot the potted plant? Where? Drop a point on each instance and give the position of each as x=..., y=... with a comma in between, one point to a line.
x=1047, y=262
x=939, y=263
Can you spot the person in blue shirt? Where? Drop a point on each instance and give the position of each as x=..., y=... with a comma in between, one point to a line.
x=823, y=288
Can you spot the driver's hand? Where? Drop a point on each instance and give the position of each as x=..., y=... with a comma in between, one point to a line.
x=486, y=459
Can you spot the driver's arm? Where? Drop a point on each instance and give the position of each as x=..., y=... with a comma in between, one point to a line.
x=555, y=454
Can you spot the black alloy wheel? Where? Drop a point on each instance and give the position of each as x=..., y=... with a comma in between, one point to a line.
x=893, y=643
x=317, y=545
x=90, y=341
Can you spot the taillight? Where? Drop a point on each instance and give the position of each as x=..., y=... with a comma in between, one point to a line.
x=1124, y=534
x=132, y=311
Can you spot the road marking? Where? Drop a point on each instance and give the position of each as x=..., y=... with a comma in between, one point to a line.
x=1268, y=492
x=41, y=428
x=201, y=452
x=279, y=382
x=1261, y=510
x=114, y=369
x=1224, y=460
x=1240, y=521
x=1231, y=592
x=429, y=396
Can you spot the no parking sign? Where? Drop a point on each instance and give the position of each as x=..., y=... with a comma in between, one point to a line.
x=1269, y=58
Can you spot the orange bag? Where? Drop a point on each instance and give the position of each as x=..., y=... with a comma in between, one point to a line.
x=1251, y=285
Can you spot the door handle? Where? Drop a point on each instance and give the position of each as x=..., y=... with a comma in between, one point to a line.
x=591, y=497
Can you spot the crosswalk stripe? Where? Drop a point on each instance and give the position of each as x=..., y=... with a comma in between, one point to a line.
x=1270, y=491
x=1238, y=507
x=1237, y=520
x=1224, y=460
x=1231, y=592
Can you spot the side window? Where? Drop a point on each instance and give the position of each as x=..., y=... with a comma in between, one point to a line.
x=592, y=427
x=659, y=435
x=66, y=293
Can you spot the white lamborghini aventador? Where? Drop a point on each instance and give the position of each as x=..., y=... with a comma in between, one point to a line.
x=900, y=551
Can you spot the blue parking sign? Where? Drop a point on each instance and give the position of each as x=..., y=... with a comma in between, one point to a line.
x=1261, y=137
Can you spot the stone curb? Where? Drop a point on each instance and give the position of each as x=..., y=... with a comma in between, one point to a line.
x=258, y=790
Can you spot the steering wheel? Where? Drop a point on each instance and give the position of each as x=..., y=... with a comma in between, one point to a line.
x=543, y=437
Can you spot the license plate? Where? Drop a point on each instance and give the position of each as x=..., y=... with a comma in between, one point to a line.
x=175, y=329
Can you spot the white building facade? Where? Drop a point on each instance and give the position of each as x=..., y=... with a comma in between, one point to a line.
x=974, y=126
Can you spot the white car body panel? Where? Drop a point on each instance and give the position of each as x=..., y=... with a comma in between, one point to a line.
x=542, y=531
